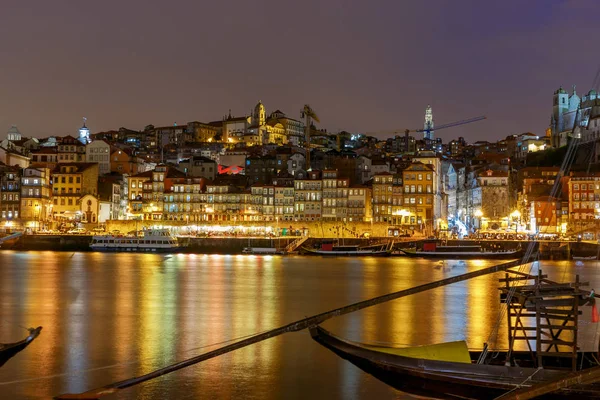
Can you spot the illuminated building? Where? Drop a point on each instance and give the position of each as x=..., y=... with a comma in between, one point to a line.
x=307, y=196
x=359, y=204
x=183, y=200
x=335, y=196
x=495, y=205
x=418, y=181
x=36, y=208
x=70, y=182
x=584, y=201
x=10, y=196
x=572, y=115
x=382, y=197
x=123, y=163
x=71, y=150
x=98, y=152
x=135, y=188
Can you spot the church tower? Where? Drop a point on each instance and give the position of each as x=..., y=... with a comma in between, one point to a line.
x=560, y=105
x=13, y=134
x=260, y=115
x=84, y=133
x=428, y=125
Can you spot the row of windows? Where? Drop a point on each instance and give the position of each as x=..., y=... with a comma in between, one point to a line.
x=68, y=201
x=585, y=186
x=10, y=214
x=10, y=197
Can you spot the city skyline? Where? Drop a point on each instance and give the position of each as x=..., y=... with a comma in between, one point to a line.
x=357, y=65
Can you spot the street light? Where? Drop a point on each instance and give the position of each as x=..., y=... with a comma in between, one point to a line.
x=516, y=215
x=37, y=217
x=479, y=214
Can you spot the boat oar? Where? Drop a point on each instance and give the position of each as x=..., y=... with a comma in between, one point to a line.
x=291, y=327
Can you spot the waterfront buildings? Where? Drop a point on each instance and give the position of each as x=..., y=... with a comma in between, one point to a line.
x=251, y=169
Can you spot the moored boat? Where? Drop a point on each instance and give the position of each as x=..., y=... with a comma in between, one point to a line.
x=439, y=377
x=431, y=249
x=9, y=350
x=152, y=240
x=262, y=250
x=553, y=366
x=330, y=248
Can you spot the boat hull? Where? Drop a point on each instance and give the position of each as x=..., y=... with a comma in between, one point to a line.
x=459, y=255
x=445, y=379
x=358, y=253
x=132, y=249
x=7, y=351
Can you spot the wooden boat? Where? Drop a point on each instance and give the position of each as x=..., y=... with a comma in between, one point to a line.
x=553, y=365
x=462, y=254
x=443, y=378
x=332, y=249
x=431, y=249
x=9, y=350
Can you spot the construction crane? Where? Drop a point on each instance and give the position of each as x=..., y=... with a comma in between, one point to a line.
x=428, y=130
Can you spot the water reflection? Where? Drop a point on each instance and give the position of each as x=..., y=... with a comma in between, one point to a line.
x=108, y=317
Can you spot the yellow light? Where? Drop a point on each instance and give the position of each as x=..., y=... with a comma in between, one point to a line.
x=515, y=214
x=478, y=213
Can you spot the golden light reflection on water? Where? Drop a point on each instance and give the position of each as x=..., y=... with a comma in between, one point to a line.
x=113, y=309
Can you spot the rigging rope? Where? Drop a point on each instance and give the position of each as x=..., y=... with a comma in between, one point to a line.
x=554, y=192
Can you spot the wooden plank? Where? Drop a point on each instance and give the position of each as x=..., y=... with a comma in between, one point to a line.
x=518, y=278
x=558, y=342
x=567, y=327
x=557, y=354
x=517, y=337
x=291, y=327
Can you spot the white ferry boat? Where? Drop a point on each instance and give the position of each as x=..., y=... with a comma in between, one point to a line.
x=153, y=240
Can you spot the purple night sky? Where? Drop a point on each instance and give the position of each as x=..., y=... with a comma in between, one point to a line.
x=364, y=66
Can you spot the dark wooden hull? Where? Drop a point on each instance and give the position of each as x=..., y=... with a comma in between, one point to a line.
x=9, y=350
x=439, y=255
x=447, y=380
x=358, y=253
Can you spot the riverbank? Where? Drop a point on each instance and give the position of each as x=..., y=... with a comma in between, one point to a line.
x=235, y=245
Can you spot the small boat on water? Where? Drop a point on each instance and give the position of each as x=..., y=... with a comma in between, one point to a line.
x=152, y=240
x=433, y=250
x=9, y=350
x=331, y=248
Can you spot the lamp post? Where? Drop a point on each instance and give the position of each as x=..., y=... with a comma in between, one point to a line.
x=516, y=215
x=36, y=223
x=479, y=215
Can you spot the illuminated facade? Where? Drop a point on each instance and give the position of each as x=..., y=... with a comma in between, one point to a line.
x=36, y=206
x=308, y=196
x=418, y=181
x=584, y=201
x=70, y=182
x=382, y=197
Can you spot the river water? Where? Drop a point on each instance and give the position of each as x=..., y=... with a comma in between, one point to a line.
x=109, y=317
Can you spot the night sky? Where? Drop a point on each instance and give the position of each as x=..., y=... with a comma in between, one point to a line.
x=364, y=66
